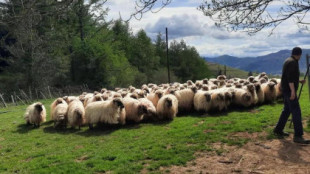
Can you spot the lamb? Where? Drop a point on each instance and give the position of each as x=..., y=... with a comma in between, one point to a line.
x=151, y=114
x=242, y=97
x=59, y=109
x=76, y=113
x=154, y=97
x=186, y=99
x=35, y=114
x=135, y=110
x=217, y=100
x=202, y=101
x=109, y=112
x=167, y=107
x=251, y=88
x=269, y=91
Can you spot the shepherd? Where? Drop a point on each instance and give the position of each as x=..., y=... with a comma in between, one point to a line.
x=289, y=86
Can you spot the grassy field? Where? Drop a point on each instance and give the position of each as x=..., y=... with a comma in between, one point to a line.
x=130, y=148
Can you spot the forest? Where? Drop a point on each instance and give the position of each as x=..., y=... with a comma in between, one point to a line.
x=67, y=43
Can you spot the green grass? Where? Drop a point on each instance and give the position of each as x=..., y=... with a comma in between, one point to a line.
x=130, y=148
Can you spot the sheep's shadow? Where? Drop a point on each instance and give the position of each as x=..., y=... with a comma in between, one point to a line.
x=25, y=128
x=52, y=130
x=106, y=129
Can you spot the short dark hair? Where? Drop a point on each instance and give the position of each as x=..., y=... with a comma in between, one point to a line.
x=297, y=51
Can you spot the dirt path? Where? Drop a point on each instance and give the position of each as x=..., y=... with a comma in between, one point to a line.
x=257, y=157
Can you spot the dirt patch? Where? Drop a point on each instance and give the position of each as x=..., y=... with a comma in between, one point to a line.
x=78, y=147
x=257, y=156
x=82, y=158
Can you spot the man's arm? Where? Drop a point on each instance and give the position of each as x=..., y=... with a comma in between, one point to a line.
x=293, y=93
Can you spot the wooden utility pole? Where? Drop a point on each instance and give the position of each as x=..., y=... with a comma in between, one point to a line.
x=167, y=55
x=307, y=60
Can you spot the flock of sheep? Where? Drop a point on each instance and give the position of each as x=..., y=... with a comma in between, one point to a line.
x=156, y=102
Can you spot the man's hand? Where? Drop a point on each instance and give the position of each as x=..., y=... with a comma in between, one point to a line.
x=302, y=81
x=293, y=95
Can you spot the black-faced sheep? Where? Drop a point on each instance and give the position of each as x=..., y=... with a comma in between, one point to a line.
x=251, y=88
x=108, y=112
x=242, y=97
x=135, y=110
x=154, y=97
x=167, y=107
x=35, y=114
x=260, y=93
x=202, y=101
x=76, y=113
x=59, y=109
x=269, y=91
x=186, y=99
x=151, y=114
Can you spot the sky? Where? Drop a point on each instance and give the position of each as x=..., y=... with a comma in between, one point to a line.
x=185, y=22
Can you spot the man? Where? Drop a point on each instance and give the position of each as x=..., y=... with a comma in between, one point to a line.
x=289, y=86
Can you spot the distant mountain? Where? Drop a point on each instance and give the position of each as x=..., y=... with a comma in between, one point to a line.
x=270, y=63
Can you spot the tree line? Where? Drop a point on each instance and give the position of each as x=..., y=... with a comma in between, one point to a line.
x=60, y=43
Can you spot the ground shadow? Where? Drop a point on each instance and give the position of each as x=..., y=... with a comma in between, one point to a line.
x=24, y=128
x=291, y=152
x=52, y=130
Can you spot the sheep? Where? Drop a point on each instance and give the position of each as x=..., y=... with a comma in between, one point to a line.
x=202, y=101
x=217, y=100
x=242, y=97
x=189, y=82
x=221, y=77
x=94, y=98
x=151, y=114
x=135, y=110
x=108, y=112
x=269, y=92
x=154, y=97
x=251, y=79
x=76, y=113
x=186, y=99
x=59, y=109
x=205, y=81
x=278, y=88
x=167, y=107
x=260, y=93
x=251, y=88
x=69, y=99
x=35, y=114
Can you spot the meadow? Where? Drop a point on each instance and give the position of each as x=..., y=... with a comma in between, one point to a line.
x=132, y=147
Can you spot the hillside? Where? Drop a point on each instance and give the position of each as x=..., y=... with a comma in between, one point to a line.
x=230, y=72
x=270, y=63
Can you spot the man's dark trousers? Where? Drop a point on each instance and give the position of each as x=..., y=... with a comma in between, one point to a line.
x=290, y=106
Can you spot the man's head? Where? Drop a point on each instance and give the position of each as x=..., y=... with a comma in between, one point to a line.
x=296, y=52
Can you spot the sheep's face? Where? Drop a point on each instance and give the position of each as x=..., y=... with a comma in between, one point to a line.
x=221, y=77
x=185, y=85
x=251, y=78
x=241, y=81
x=263, y=74
x=228, y=85
x=96, y=92
x=141, y=94
x=262, y=81
x=274, y=80
x=124, y=94
x=39, y=107
x=246, y=97
x=182, y=87
x=171, y=91
x=168, y=102
x=216, y=82
x=98, y=98
x=103, y=90
x=198, y=85
x=159, y=94
x=142, y=109
x=117, y=102
x=59, y=101
x=251, y=87
x=205, y=81
x=271, y=85
x=257, y=87
x=220, y=97
x=208, y=97
x=228, y=96
x=189, y=82
x=146, y=90
x=205, y=88
x=238, y=85
x=246, y=83
x=117, y=95
x=222, y=83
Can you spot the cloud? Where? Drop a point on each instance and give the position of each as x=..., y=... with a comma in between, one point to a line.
x=178, y=25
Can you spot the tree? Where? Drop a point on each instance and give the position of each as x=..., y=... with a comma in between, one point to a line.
x=247, y=15
x=250, y=73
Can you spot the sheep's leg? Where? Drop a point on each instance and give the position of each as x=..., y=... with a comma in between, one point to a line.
x=28, y=123
x=91, y=126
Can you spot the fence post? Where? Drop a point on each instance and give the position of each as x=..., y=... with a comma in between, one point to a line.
x=30, y=94
x=3, y=101
x=49, y=91
x=14, y=102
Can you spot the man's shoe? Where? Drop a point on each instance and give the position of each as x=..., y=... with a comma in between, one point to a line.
x=301, y=140
x=281, y=134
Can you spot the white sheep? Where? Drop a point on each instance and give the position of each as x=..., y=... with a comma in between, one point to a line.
x=202, y=101
x=109, y=112
x=76, y=113
x=35, y=114
x=135, y=110
x=59, y=109
x=167, y=107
